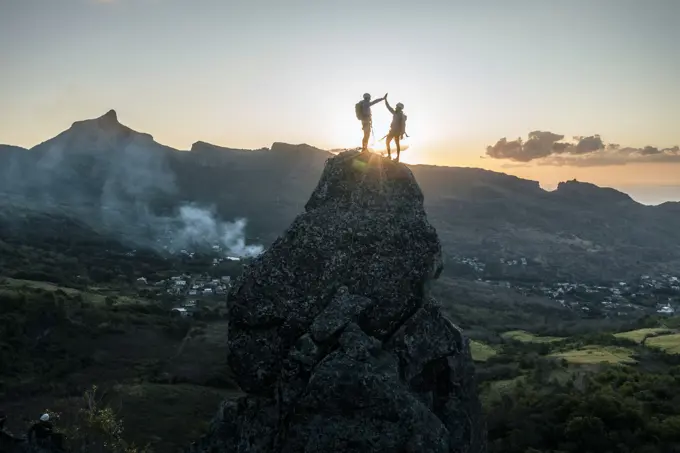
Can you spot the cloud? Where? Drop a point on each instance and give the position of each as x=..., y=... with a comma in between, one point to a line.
x=539, y=145
x=519, y=165
x=548, y=148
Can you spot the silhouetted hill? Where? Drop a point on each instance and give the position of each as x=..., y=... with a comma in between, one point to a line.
x=11, y=149
x=583, y=192
x=122, y=181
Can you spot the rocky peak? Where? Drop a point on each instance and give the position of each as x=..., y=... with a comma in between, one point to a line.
x=106, y=122
x=584, y=191
x=333, y=334
x=287, y=148
x=110, y=117
x=98, y=135
x=205, y=148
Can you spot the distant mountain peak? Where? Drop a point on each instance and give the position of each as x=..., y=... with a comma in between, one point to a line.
x=110, y=116
x=201, y=146
x=96, y=135
x=288, y=147
x=277, y=147
x=108, y=124
x=592, y=192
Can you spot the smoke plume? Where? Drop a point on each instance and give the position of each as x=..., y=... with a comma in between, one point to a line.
x=196, y=222
x=122, y=181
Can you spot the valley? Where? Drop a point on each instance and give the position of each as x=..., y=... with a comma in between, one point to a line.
x=164, y=375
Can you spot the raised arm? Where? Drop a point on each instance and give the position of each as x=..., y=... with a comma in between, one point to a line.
x=387, y=104
x=379, y=100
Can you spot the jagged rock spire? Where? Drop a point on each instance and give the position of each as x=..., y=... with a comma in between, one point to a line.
x=333, y=333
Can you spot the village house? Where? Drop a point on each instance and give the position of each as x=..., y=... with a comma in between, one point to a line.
x=180, y=311
x=666, y=310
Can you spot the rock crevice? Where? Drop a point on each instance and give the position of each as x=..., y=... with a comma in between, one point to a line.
x=334, y=337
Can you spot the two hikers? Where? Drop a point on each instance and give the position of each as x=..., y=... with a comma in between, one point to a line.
x=397, y=128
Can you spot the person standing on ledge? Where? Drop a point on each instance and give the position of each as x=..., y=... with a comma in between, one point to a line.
x=41, y=431
x=363, y=113
x=397, y=128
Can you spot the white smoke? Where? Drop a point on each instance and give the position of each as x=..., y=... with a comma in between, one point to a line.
x=132, y=173
x=199, y=225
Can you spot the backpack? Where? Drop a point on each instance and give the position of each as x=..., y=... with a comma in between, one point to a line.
x=359, y=110
x=401, y=128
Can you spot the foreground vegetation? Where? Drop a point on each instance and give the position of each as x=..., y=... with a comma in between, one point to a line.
x=161, y=376
x=550, y=380
x=590, y=393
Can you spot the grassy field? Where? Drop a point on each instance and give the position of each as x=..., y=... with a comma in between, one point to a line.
x=94, y=295
x=167, y=415
x=481, y=352
x=670, y=344
x=528, y=337
x=639, y=334
x=594, y=354
x=504, y=384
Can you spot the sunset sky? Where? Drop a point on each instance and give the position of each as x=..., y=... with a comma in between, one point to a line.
x=247, y=73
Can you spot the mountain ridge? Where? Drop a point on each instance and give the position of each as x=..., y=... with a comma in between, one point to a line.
x=109, y=122
x=578, y=230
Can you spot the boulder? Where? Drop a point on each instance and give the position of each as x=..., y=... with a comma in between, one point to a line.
x=334, y=336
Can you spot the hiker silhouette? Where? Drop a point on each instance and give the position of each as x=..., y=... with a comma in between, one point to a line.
x=397, y=128
x=363, y=113
x=42, y=432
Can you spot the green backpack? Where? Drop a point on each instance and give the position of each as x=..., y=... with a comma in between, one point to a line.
x=359, y=110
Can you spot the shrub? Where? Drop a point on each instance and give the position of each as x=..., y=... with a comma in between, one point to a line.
x=96, y=428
